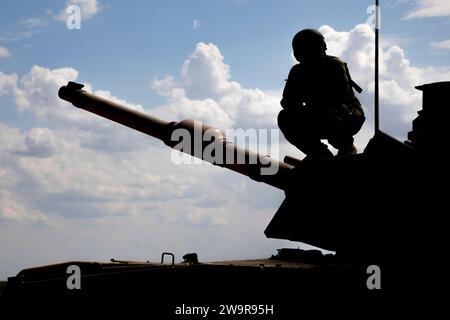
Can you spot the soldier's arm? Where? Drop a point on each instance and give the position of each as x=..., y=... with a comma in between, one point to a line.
x=292, y=96
x=341, y=81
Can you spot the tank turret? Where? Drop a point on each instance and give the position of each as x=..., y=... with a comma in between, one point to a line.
x=324, y=198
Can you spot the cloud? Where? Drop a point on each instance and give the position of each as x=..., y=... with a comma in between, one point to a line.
x=33, y=23
x=106, y=185
x=10, y=139
x=8, y=83
x=14, y=208
x=42, y=143
x=205, y=66
x=93, y=161
x=48, y=172
x=4, y=52
x=92, y=168
x=17, y=35
x=37, y=92
x=206, y=92
x=25, y=29
x=444, y=45
x=429, y=9
x=109, y=200
x=398, y=77
x=88, y=9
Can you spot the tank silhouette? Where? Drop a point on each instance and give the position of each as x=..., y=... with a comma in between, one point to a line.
x=304, y=182
x=371, y=208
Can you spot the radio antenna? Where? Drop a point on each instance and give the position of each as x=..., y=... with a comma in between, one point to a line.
x=377, y=88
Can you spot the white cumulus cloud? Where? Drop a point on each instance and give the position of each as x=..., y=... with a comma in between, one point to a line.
x=8, y=83
x=13, y=207
x=4, y=52
x=429, y=8
x=399, y=100
x=205, y=89
x=84, y=168
x=37, y=91
x=206, y=92
x=47, y=175
x=445, y=45
x=41, y=142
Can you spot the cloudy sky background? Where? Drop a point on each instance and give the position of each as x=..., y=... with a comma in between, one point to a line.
x=75, y=186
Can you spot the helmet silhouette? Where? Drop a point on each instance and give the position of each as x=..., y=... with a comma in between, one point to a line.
x=308, y=42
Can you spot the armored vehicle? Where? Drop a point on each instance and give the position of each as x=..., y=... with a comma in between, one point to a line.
x=378, y=210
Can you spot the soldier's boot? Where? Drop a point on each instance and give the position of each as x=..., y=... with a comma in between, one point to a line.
x=321, y=152
x=347, y=151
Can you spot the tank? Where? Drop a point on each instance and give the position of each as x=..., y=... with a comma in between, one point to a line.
x=306, y=183
x=380, y=208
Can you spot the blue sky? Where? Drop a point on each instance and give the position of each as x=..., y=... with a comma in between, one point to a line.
x=68, y=181
x=152, y=38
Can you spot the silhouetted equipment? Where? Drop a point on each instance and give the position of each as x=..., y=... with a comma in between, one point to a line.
x=377, y=66
x=190, y=258
x=323, y=198
x=430, y=128
x=373, y=208
x=308, y=39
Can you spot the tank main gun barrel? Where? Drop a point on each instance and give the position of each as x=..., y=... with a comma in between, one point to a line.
x=206, y=143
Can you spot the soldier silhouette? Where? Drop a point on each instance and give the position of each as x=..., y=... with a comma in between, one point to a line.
x=318, y=100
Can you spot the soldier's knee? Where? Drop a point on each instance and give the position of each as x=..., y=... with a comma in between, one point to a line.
x=283, y=119
x=341, y=142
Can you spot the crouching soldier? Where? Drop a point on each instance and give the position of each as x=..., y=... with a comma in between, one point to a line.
x=318, y=100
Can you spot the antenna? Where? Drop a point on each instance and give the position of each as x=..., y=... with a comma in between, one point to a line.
x=377, y=88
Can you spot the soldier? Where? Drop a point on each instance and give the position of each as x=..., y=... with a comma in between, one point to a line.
x=318, y=100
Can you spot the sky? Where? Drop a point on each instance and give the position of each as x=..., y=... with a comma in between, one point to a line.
x=74, y=186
